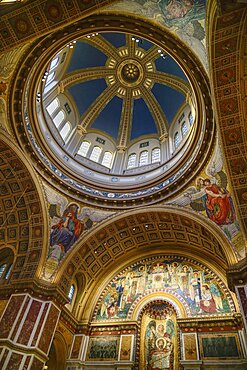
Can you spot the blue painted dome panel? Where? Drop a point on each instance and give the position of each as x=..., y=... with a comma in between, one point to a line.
x=143, y=122
x=169, y=99
x=168, y=65
x=116, y=39
x=85, y=56
x=109, y=118
x=85, y=93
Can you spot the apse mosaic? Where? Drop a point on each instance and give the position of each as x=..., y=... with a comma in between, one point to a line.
x=194, y=285
x=186, y=18
x=211, y=196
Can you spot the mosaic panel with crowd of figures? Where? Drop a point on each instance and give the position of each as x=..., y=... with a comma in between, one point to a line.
x=203, y=292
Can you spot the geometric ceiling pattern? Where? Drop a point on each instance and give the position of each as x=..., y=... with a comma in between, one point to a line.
x=230, y=58
x=145, y=232
x=122, y=79
x=21, y=220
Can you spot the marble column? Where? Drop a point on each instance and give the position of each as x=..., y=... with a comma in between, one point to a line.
x=27, y=327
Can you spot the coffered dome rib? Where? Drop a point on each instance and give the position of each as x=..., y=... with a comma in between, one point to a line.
x=170, y=80
x=85, y=75
x=125, y=120
x=156, y=111
x=131, y=46
x=151, y=54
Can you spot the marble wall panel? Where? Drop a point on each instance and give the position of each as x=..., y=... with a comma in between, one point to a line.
x=42, y=318
x=14, y=361
x=37, y=364
x=75, y=352
x=6, y=351
x=10, y=315
x=49, y=329
x=29, y=322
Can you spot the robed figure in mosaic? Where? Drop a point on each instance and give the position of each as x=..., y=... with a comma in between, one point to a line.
x=160, y=342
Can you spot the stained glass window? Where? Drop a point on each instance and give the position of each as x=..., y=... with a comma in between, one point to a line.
x=83, y=150
x=176, y=140
x=50, y=77
x=184, y=129
x=191, y=119
x=8, y=272
x=131, y=161
x=2, y=269
x=71, y=293
x=156, y=155
x=95, y=154
x=58, y=119
x=54, y=63
x=143, y=160
x=65, y=130
x=107, y=159
x=52, y=106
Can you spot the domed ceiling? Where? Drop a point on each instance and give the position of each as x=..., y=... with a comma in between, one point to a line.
x=110, y=107
x=123, y=76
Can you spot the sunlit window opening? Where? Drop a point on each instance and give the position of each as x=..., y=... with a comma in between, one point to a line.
x=83, y=150
x=191, y=119
x=53, y=106
x=156, y=155
x=176, y=140
x=50, y=78
x=107, y=159
x=58, y=119
x=65, y=130
x=143, y=160
x=95, y=154
x=71, y=293
x=8, y=272
x=184, y=129
x=2, y=269
x=54, y=63
x=131, y=161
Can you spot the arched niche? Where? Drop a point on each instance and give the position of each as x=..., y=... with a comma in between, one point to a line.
x=58, y=354
x=158, y=337
x=24, y=224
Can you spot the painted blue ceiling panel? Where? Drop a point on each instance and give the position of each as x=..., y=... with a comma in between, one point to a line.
x=143, y=122
x=109, y=118
x=85, y=93
x=169, y=99
x=116, y=39
x=85, y=56
x=168, y=65
x=145, y=44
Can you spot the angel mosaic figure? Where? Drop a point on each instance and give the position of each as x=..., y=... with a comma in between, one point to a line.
x=210, y=194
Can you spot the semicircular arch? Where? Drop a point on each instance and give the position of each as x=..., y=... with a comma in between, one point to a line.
x=132, y=235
